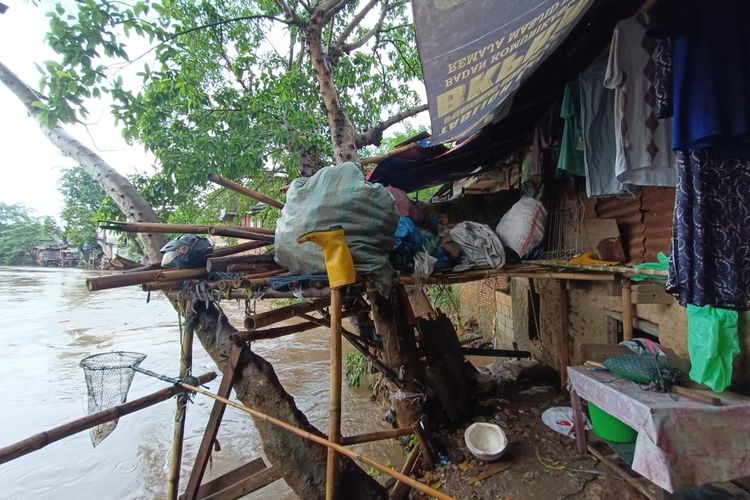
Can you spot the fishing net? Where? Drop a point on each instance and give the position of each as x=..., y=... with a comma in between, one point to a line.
x=108, y=378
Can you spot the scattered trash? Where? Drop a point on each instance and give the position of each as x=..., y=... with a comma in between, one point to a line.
x=560, y=420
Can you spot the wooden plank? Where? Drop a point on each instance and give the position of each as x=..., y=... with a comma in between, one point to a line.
x=580, y=426
x=564, y=337
x=248, y=485
x=635, y=483
x=496, y=353
x=708, y=397
x=212, y=427
x=230, y=478
x=489, y=471
x=650, y=294
x=421, y=307
x=376, y=436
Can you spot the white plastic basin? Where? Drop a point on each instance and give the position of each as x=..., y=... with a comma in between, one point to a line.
x=486, y=441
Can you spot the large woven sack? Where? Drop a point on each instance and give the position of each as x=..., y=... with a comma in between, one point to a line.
x=522, y=227
x=338, y=196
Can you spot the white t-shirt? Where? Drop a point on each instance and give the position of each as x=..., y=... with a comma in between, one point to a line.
x=644, y=143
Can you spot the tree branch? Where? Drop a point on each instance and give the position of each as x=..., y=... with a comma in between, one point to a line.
x=341, y=40
x=375, y=134
x=289, y=12
x=326, y=10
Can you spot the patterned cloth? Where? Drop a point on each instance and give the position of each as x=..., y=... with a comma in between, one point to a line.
x=681, y=442
x=663, y=79
x=710, y=262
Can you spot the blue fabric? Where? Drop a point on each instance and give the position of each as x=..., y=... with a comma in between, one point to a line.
x=710, y=262
x=408, y=242
x=711, y=73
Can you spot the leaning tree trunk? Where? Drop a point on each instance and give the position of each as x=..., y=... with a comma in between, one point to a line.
x=302, y=464
x=125, y=196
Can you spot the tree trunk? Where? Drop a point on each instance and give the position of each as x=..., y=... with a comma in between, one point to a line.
x=125, y=196
x=343, y=134
x=302, y=462
x=400, y=352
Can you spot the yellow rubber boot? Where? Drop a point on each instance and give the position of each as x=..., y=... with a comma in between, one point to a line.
x=339, y=264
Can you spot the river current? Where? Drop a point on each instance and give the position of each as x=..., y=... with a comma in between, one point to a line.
x=49, y=321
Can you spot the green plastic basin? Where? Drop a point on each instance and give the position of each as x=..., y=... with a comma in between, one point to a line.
x=610, y=428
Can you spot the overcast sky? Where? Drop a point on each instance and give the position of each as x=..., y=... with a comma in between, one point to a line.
x=29, y=164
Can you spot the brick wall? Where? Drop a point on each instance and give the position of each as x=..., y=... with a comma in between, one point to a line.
x=477, y=301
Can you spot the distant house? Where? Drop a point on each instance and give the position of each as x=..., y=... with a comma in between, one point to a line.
x=56, y=255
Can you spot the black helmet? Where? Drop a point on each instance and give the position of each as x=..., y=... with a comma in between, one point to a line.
x=186, y=251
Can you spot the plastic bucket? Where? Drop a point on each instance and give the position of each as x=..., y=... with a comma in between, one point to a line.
x=610, y=428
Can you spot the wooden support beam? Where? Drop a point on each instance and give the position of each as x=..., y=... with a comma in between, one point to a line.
x=650, y=294
x=564, y=336
x=428, y=460
x=42, y=439
x=400, y=490
x=627, y=311
x=497, y=353
x=249, y=484
x=214, y=420
x=235, y=249
x=230, y=478
x=376, y=436
x=283, y=313
x=635, y=483
x=239, y=188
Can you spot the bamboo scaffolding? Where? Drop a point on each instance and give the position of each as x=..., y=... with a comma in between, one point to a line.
x=42, y=439
x=283, y=313
x=282, y=331
x=239, y=188
x=324, y=442
x=175, y=458
x=334, y=411
x=141, y=277
x=401, y=489
x=625, y=270
x=154, y=286
x=242, y=233
x=358, y=343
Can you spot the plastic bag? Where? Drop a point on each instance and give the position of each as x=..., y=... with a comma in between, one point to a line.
x=712, y=343
x=338, y=196
x=560, y=419
x=522, y=227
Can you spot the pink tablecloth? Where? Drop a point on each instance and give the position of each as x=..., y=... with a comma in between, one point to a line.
x=681, y=443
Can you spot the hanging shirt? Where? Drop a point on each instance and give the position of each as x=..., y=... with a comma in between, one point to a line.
x=598, y=124
x=710, y=71
x=571, y=144
x=644, y=143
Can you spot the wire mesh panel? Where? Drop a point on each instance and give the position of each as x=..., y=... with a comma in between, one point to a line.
x=565, y=226
x=108, y=379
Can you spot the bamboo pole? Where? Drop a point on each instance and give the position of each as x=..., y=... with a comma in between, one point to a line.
x=281, y=331
x=239, y=188
x=564, y=335
x=232, y=232
x=221, y=263
x=42, y=439
x=389, y=154
x=283, y=313
x=334, y=413
x=154, y=286
x=139, y=278
x=175, y=459
x=324, y=442
x=235, y=249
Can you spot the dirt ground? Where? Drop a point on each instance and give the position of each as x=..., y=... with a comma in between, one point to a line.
x=541, y=463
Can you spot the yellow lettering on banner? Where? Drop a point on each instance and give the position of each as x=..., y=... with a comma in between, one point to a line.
x=572, y=12
x=450, y=100
x=481, y=83
x=510, y=65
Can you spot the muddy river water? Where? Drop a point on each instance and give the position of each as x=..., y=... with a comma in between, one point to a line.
x=49, y=322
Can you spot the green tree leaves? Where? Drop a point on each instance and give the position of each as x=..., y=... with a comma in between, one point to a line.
x=20, y=232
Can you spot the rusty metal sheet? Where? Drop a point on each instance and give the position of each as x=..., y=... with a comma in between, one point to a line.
x=658, y=207
x=629, y=215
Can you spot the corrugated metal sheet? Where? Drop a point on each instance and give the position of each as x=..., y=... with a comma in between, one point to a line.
x=658, y=207
x=629, y=216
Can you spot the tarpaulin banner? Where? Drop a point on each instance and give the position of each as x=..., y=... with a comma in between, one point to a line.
x=475, y=54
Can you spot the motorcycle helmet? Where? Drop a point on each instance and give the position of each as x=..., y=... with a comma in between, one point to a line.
x=186, y=251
